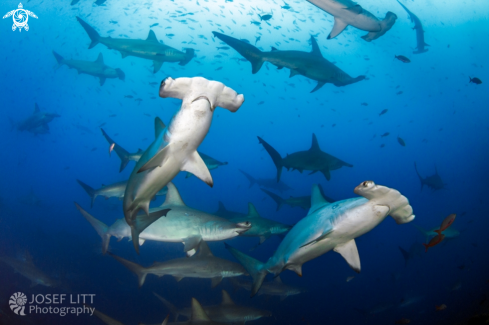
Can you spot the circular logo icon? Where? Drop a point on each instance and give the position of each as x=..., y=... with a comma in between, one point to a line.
x=17, y=303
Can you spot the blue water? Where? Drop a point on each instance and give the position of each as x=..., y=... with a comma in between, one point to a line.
x=442, y=118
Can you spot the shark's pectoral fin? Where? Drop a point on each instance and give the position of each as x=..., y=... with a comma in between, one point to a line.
x=324, y=235
x=280, y=67
x=157, y=65
x=215, y=281
x=156, y=161
x=102, y=81
x=124, y=54
x=326, y=173
x=356, y=9
x=141, y=241
x=297, y=268
x=192, y=243
x=339, y=26
x=178, y=278
x=318, y=86
x=196, y=166
x=293, y=73
x=349, y=252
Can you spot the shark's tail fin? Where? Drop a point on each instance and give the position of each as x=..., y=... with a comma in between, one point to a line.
x=254, y=267
x=248, y=51
x=121, y=152
x=420, y=178
x=99, y=226
x=59, y=59
x=92, y=33
x=277, y=160
x=189, y=55
x=90, y=191
x=249, y=177
x=280, y=202
x=169, y=305
x=133, y=267
x=405, y=255
x=120, y=74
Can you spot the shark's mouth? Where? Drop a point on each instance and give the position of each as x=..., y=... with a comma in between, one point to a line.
x=243, y=227
x=207, y=99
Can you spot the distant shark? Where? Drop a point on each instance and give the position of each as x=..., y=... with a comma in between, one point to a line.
x=37, y=123
x=434, y=181
x=175, y=147
x=270, y=183
x=303, y=202
x=347, y=12
x=418, y=27
x=225, y=213
x=330, y=226
x=269, y=288
x=311, y=65
x=112, y=190
x=96, y=68
x=203, y=265
x=27, y=269
x=226, y=312
x=149, y=48
x=313, y=159
x=428, y=234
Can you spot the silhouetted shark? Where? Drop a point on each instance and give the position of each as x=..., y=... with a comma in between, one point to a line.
x=37, y=123
x=266, y=182
x=419, y=31
x=434, y=181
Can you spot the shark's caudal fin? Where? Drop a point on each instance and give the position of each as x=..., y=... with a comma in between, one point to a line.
x=92, y=33
x=121, y=152
x=249, y=177
x=133, y=267
x=174, y=310
x=90, y=191
x=248, y=51
x=59, y=59
x=420, y=178
x=277, y=159
x=99, y=226
x=142, y=222
x=189, y=54
x=280, y=202
x=254, y=267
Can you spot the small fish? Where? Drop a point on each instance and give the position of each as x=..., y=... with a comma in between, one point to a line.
x=382, y=145
x=170, y=35
x=402, y=58
x=401, y=141
x=403, y=321
x=129, y=96
x=383, y=112
x=385, y=135
x=93, y=149
x=265, y=17
x=399, y=92
x=348, y=279
x=113, y=115
x=475, y=80
x=441, y=307
x=261, y=103
x=434, y=241
x=111, y=148
x=446, y=223
x=364, y=104
x=218, y=69
x=223, y=48
x=155, y=24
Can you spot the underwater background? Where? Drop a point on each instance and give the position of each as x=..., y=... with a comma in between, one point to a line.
x=441, y=117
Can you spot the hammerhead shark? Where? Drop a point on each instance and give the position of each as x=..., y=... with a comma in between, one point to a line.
x=434, y=181
x=313, y=159
x=150, y=48
x=268, y=288
x=175, y=147
x=347, y=12
x=37, y=123
x=96, y=68
x=418, y=27
x=311, y=65
x=270, y=183
x=330, y=226
x=26, y=268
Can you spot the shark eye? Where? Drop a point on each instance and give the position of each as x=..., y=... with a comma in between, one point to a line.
x=365, y=184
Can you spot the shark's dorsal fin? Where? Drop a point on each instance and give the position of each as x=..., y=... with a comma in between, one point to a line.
x=252, y=211
x=198, y=313
x=173, y=196
x=100, y=58
x=317, y=199
x=314, y=144
x=159, y=127
x=221, y=208
x=274, y=49
x=277, y=280
x=315, y=47
x=204, y=249
x=36, y=108
x=152, y=36
x=226, y=299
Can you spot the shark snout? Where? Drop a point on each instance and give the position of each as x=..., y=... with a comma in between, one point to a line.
x=243, y=227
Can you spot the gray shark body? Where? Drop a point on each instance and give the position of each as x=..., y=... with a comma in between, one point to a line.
x=330, y=226
x=226, y=312
x=449, y=233
x=434, y=181
x=37, y=123
x=269, y=288
x=227, y=214
x=311, y=65
x=96, y=68
x=116, y=190
x=418, y=27
x=27, y=269
x=149, y=49
x=303, y=202
x=181, y=224
x=347, y=12
x=270, y=183
x=202, y=265
x=313, y=159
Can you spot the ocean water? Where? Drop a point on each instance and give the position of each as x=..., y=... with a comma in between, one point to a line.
x=441, y=117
